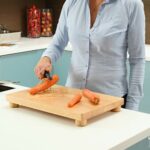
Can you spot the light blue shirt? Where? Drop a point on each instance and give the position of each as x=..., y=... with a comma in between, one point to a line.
x=99, y=55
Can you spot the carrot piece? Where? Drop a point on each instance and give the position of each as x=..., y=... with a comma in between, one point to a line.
x=91, y=96
x=45, y=85
x=76, y=99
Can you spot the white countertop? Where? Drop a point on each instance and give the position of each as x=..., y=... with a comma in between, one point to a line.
x=26, y=129
x=28, y=44
x=31, y=44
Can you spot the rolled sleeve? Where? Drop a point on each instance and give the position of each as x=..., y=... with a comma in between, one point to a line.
x=136, y=50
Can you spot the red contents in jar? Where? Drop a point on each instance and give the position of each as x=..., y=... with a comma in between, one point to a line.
x=46, y=23
x=33, y=22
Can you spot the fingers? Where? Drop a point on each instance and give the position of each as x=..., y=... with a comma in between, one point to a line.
x=42, y=66
x=38, y=72
x=45, y=67
x=48, y=68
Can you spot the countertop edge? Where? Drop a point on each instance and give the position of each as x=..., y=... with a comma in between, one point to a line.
x=34, y=44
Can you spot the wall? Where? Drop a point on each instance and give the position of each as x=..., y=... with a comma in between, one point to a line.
x=13, y=13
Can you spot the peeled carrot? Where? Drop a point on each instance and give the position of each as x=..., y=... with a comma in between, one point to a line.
x=45, y=85
x=76, y=99
x=91, y=96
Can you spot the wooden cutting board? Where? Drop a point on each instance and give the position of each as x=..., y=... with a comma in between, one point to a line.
x=55, y=101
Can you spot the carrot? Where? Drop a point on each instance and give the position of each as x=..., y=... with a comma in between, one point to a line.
x=91, y=96
x=76, y=99
x=45, y=85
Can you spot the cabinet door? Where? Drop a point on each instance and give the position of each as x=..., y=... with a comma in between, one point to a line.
x=144, y=107
x=142, y=145
x=20, y=67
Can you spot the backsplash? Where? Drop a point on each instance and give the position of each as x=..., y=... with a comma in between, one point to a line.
x=14, y=14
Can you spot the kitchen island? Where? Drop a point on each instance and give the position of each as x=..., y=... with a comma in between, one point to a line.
x=26, y=129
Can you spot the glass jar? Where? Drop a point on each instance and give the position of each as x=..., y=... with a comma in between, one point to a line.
x=3, y=29
x=33, y=22
x=46, y=23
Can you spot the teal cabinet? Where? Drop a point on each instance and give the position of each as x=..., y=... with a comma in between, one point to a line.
x=142, y=145
x=144, y=107
x=20, y=67
x=145, y=103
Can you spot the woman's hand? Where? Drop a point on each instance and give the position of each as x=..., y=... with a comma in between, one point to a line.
x=43, y=65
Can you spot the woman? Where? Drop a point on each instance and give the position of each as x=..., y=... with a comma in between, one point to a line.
x=101, y=33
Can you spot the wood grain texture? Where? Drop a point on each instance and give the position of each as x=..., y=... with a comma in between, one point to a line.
x=55, y=101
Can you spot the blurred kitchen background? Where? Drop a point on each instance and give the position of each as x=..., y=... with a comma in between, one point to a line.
x=13, y=13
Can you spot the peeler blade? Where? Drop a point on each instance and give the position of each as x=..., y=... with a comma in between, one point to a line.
x=47, y=75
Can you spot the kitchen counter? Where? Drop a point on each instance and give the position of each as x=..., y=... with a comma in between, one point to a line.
x=31, y=44
x=28, y=44
x=27, y=129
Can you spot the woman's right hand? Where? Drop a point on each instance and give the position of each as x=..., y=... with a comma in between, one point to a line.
x=43, y=65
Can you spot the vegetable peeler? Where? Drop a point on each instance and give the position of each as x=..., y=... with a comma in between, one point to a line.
x=47, y=75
